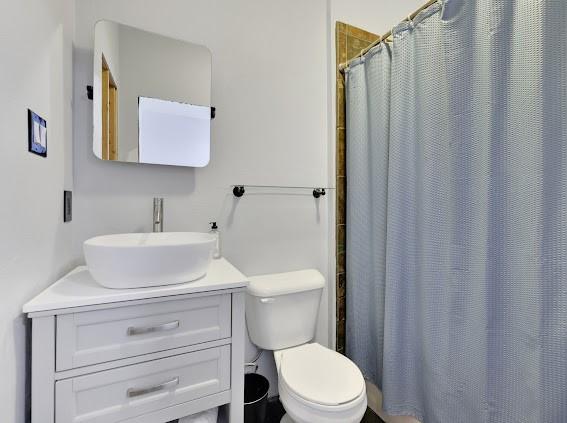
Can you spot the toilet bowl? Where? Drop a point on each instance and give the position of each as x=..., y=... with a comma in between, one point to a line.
x=316, y=384
x=319, y=385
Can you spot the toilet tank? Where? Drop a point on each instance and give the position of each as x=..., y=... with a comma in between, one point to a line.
x=281, y=309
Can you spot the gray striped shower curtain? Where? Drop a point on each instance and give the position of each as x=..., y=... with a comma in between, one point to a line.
x=457, y=213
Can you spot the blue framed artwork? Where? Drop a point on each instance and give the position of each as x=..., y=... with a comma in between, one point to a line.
x=37, y=134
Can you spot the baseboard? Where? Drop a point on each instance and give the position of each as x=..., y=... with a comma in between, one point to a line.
x=374, y=396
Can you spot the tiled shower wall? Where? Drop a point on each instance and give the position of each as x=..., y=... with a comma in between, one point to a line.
x=349, y=43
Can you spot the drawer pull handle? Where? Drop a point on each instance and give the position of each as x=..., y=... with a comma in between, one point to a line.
x=132, y=331
x=135, y=392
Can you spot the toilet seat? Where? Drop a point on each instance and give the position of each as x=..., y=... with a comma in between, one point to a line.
x=311, y=412
x=319, y=385
x=320, y=376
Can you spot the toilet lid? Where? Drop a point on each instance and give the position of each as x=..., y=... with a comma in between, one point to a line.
x=321, y=376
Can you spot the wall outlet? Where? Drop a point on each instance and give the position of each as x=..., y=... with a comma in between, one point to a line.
x=67, y=206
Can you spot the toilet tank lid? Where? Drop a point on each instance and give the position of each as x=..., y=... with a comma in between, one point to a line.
x=285, y=283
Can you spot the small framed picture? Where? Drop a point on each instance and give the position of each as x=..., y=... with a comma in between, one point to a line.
x=37, y=134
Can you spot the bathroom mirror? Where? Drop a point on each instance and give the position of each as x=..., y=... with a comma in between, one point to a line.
x=151, y=98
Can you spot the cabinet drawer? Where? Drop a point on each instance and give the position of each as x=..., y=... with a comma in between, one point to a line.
x=104, y=335
x=127, y=392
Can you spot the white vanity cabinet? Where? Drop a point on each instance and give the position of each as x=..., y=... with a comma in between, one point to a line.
x=138, y=355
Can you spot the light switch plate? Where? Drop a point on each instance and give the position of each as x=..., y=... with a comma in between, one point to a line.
x=37, y=134
x=67, y=206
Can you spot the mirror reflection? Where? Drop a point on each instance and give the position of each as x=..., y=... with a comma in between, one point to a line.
x=151, y=98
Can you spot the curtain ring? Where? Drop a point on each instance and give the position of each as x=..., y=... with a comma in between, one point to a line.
x=391, y=35
x=442, y=4
x=410, y=21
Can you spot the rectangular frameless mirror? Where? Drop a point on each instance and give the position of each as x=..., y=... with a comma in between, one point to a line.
x=151, y=98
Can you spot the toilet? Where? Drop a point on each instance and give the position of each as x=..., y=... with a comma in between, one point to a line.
x=316, y=384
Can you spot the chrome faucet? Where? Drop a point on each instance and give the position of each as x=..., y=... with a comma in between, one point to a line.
x=158, y=214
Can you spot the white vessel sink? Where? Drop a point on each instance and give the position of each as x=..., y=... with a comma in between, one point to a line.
x=148, y=259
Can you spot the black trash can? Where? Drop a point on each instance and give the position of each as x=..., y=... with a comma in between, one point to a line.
x=255, y=398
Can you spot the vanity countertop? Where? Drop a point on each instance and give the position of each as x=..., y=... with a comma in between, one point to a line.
x=79, y=289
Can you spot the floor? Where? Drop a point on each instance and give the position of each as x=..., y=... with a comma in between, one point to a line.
x=276, y=411
x=371, y=417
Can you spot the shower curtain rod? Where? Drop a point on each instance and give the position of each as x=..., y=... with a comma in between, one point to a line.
x=386, y=37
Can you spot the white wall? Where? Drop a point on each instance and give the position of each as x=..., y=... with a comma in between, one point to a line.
x=35, y=73
x=377, y=16
x=270, y=88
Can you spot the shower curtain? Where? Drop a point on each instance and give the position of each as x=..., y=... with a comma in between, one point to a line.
x=457, y=213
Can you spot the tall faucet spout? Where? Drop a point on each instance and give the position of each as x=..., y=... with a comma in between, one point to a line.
x=158, y=214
